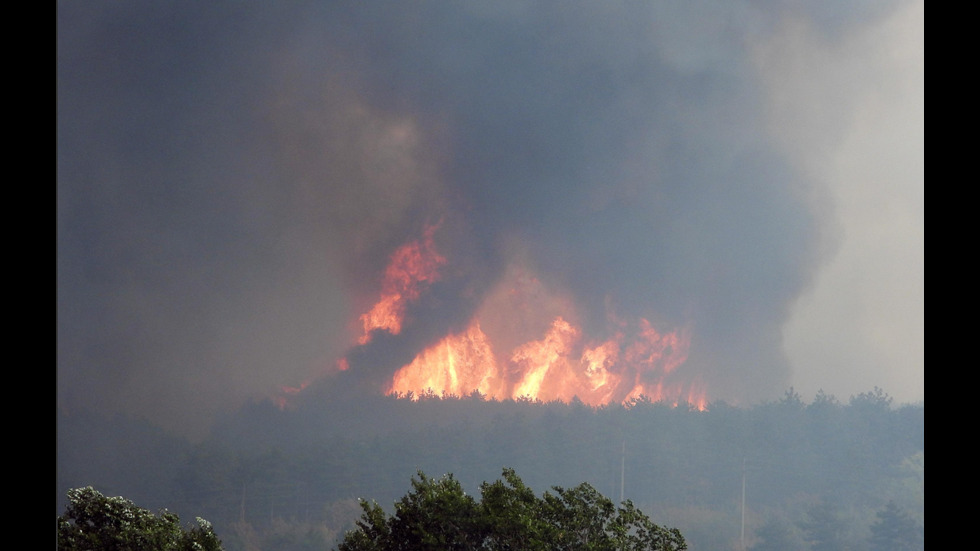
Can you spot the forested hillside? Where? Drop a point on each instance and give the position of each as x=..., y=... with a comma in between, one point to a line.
x=290, y=478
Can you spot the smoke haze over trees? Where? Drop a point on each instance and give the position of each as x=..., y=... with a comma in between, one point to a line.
x=268, y=471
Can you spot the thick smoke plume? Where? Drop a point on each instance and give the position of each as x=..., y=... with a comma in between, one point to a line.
x=233, y=180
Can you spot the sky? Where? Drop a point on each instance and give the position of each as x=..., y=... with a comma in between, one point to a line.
x=233, y=178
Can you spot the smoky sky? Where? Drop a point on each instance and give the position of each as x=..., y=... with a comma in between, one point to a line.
x=232, y=178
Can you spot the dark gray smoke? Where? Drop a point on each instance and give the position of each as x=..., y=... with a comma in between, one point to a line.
x=233, y=176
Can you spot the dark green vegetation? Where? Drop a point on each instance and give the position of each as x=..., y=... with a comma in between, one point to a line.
x=94, y=522
x=896, y=530
x=437, y=515
x=290, y=479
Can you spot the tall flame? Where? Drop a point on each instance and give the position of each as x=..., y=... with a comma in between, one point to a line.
x=544, y=363
x=637, y=362
x=456, y=365
x=412, y=267
x=556, y=367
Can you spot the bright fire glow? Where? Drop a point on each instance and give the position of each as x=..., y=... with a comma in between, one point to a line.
x=556, y=367
x=457, y=365
x=524, y=343
x=412, y=267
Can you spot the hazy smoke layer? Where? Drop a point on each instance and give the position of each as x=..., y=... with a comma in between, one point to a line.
x=232, y=179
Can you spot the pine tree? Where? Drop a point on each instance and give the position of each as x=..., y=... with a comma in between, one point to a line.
x=895, y=530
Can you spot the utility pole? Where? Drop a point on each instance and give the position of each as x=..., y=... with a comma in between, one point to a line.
x=622, y=474
x=742, y=536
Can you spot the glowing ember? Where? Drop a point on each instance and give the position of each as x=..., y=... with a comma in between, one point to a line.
x=413, y=266
x=282, y=400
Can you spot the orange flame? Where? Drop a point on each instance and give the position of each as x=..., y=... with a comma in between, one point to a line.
x=553, y=368
x=545, y=361
x=457, y=365
x=411, y=267
x=637, y=362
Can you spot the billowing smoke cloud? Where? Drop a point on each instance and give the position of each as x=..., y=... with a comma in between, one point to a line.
x=232, y=180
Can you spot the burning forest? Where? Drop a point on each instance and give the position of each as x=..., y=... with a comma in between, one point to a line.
x=551, y=204
x=521, y=343
x=610, y=235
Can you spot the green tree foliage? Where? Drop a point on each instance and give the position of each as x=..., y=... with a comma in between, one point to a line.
x=825, y=528
x=438, y=515
x=777, y=535
x=896, y=530
x=274, y=470
x=94, y=522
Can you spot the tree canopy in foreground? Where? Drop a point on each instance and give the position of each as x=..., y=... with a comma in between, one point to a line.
x=94, y=522
x=438, y=515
